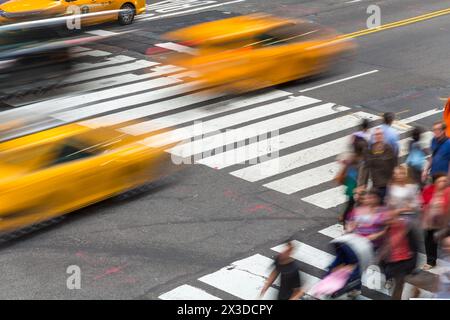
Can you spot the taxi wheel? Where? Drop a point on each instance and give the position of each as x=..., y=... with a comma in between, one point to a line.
x=126, y=16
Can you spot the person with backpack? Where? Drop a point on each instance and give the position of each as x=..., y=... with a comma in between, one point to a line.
x=416, y=157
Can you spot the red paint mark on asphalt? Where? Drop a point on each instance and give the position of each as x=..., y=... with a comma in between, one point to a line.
x=259, y=207
x=110, y=271
x=155, y=50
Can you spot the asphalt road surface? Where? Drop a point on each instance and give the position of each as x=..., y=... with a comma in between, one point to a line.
x=211, y=230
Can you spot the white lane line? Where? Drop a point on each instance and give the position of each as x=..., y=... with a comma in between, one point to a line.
x=74, y=101
x=152, y=17
x=337, y=230
x=108, y=106
x=110, y=61
x=202, y=112
x=187, y=292
x=176, y=47
x=79, y=49
x=328, y=199
x=79, y=89
x=319, y=259
x=102, y=33
x=254, y=151
x=92, y=53
x=421, y=116
x=146, y=110
x=237, y=118
x=276, y=123
x=339, y=81
x=310, y=178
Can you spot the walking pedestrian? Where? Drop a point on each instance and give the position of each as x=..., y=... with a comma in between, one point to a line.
x=444, y=276
x=289, y=271
x=379, y=164
x=390, y=134
x=402, y=195
x=440, y=157
x=416, y=157
x=436, y=205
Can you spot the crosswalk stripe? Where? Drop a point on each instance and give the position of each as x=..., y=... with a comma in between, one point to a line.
x=74, y=92
x=187, y=292
x=202, y=112
x=249, y=131
x=315, y=176
x=92, y=53
x=318, y=259
x=136, y=113
x=337, y=230
x=80, y=49
x=73, y=101
x=108, y=62
x=233, y=119
x=292, y=138
x=327, y=199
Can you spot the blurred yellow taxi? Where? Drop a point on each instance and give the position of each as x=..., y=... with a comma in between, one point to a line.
x=56, y=171
x=250, y=52
x=14, y=11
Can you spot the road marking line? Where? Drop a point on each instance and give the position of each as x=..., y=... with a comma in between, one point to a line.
x=187, y=292
x=176, y=47
x=337, y=230
x=312, y=177
x=339, y=81
x=214, y=125
x=198, y=113
x=327, y=199
x=144, y=18
x=102, y=33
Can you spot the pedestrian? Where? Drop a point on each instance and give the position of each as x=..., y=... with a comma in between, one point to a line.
x=349, y=174
x=416, y=157
x=363, y=132
x=402, y=195
x=398, y=255
x=289, y=271
x=390, y=134
x=436, y=205
x=444, y=274
x=367, y=220
x=440, y=153
x=379, y=164
x=446, y=117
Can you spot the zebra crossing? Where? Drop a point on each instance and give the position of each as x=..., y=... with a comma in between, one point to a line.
x=284, y=141
x=244, y=279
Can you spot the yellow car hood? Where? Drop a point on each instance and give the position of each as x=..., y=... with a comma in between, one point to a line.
x=20, y=6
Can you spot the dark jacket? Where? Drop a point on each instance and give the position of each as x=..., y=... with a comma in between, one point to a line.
x=379, y=167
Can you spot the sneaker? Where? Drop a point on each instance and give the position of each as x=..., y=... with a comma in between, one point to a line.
x=427, y=267
x=354, y=294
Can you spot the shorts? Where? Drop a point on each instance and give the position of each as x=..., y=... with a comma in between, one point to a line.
x=399, y=269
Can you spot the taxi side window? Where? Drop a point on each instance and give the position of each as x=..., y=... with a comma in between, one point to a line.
x=72, y=150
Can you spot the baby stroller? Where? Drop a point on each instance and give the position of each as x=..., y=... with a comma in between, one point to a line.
x=354, y=254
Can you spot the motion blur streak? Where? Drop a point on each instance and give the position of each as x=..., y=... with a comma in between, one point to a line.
x=251, y=52
x=56, y=171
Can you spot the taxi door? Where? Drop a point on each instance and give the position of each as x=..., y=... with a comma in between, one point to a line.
x=92, y=6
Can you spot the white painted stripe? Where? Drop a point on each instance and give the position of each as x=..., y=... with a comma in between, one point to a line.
x=146, y=110
x=102, y=33
x=239, y=283
x=187, y=292
x=152, y=17
x=422, y=115
x=79, y=49
x=258, y=149
x=206, y=111
x=328, y=199
x=228, y=121
x=309, y=178
x=319, y=259
x=76, y=90
x=108, y=62
x=92, y=53
x=339, y=81
x=176, y=47
x=89, y=75
x=74, y=101
x=146, y=97
x=337, y=230
x=249, y=131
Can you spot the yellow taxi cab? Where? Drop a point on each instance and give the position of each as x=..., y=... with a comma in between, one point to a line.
x=251, y=52
x=14, y=11
x=53, y=172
